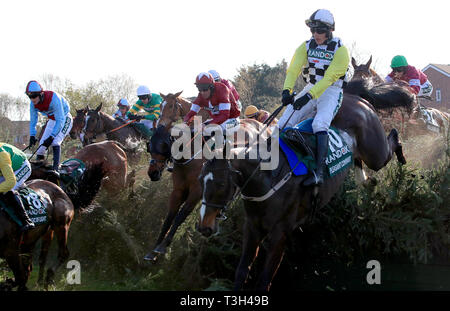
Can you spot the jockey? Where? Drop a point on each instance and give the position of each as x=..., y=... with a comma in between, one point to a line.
x=14, y=171
x=325, y=64
x=229, y=85
x=416, y=79
x=121, y=113
x=251, y=112
x=217, y=98
x=151, y=104
x=59, y=124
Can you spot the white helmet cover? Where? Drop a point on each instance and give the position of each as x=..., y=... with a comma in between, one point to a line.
x=143, y=90
x=321, y=16
x=215, y=75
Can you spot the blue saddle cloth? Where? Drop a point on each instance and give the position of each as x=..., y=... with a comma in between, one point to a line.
x=293, y=157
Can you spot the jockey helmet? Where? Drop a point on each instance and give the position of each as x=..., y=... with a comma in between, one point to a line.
x=215, y=75
x=204, y=81
x=251, y=111
x=399, y=61
x=143, y=90
x=123, y=103
x=33, y=87
x=321, y=19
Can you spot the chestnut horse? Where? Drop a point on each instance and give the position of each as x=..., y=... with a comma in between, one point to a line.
x=17, y=248
x=186, y=192
x=274, y=209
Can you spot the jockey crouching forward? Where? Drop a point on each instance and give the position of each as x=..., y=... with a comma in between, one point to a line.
x=325, y=62
x=14, y=171
x=417, y=80
x=218, y=100
x=59, y=124
x=150, y=103
x=121, y=113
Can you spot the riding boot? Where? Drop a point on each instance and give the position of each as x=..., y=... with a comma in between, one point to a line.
x=56, y=157
x=148, y=147
x=321, y=155
x=13, y=199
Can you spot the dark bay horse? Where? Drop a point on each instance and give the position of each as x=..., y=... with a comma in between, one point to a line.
x=364, y=71
x=79, y=122
x=186, y=192
x=17, y=248
x=100, y=123
x=271, y=218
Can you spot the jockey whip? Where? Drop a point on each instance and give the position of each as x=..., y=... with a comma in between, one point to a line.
x=123, y=125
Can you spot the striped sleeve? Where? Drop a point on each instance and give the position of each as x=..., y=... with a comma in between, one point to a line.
x=7, y=172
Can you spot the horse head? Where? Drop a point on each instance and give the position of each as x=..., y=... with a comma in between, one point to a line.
x=78, y=122
x=172, y=109
x=362, y=71
x=219, y=181
x=160, y=145
x=93, y=124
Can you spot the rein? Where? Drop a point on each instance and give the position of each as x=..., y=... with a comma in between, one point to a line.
x=119, y=127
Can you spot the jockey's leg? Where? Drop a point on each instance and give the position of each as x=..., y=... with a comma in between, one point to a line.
x=11, y=198
x=327, y=106
x=56, y=157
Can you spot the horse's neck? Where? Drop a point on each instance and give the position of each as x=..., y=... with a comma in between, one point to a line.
x=185, y=106
x=109, y=122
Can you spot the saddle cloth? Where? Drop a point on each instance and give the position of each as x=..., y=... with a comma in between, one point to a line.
x=35, y=206
x=299, y=145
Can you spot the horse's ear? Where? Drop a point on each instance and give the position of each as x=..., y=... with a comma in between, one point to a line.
x=163, y=96
x=99, y=107
x=86, y=109
x=354, y=62
x=178, y=94
x=369, y=62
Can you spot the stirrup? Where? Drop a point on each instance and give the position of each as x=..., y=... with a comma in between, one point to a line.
x=27, y=227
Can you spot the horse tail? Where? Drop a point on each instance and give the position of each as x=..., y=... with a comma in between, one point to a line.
x=382, y=96
x=88, y=186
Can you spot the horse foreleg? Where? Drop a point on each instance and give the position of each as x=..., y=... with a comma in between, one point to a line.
x=275, y=250
x=192, y=200
x=396, y=146
x=45, y=245
x=175, y=200
x=250, y=249
x=15, y=264
x=63, y=252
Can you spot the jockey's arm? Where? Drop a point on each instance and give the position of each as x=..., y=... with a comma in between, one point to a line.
x=155, y=114
x=135, y=109
x=58, y=112
x=338, y=68
x=33, y=119
x=192, y=113
x=7, y=172
x=299, y=60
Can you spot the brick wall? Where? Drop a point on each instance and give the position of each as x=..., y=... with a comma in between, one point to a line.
x=442, y=82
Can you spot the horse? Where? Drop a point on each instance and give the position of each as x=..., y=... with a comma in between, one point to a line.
x=109, y=155
x=274, y=211
x=100, y=123
x=186, y=192
x=79, y=122
x=364, y=71
x=17, y=248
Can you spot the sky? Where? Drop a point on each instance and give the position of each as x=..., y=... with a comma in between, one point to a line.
x=165, y=44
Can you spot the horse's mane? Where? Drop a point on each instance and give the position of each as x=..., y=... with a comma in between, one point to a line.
x=88, y=186
x=382, y=96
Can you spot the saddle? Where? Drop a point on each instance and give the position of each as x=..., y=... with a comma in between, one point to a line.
x=71, y=172
x=299, y=145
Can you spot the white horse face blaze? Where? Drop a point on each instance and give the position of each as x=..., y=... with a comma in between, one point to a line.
x=208, y=176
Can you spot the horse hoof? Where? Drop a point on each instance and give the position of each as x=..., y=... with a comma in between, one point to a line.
x=159, y=250
x=151, y=257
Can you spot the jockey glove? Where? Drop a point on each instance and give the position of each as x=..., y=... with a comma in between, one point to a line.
x=32, y=141
x=48, y=141
x=302, y=101
x=135, y=117
x=286, y=97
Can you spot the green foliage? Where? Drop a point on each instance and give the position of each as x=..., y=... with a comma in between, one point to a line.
x=261, y=85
